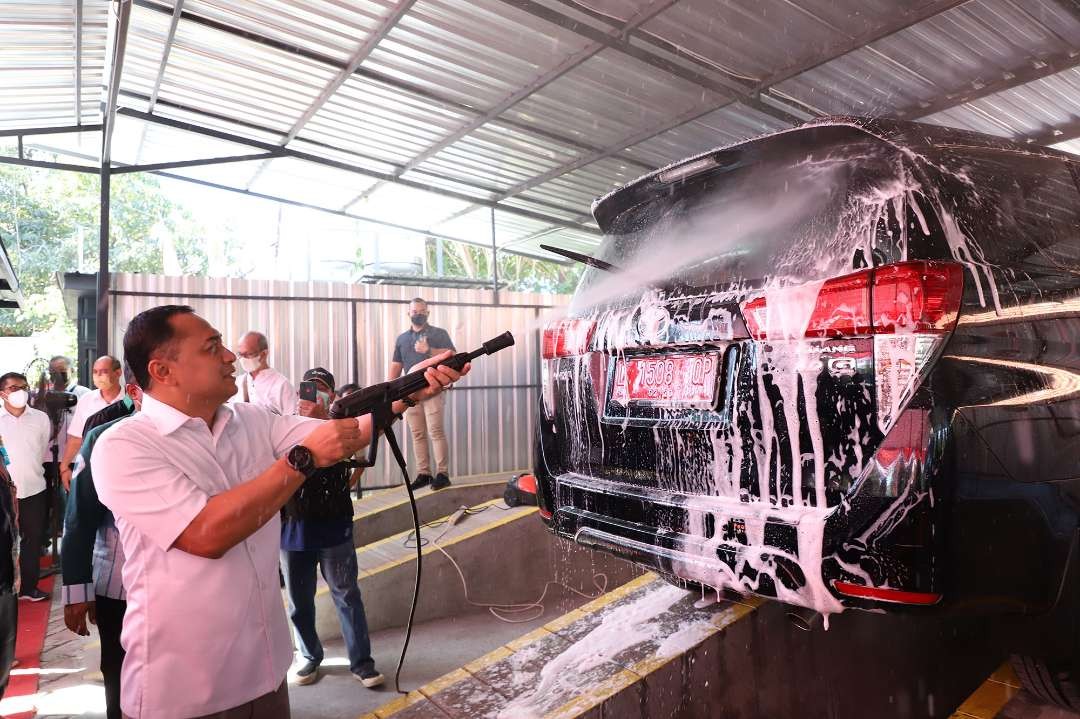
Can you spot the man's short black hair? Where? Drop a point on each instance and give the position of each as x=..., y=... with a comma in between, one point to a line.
x=149, y=335
x=13, y=375
x=421, y=300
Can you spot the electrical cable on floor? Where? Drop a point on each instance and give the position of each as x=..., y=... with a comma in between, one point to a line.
x=512, y=609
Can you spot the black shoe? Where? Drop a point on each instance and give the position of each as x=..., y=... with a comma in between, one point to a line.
x=440, y=481
x=422, y=480
x=369, y=677
x=34, y=595
x=308, y=674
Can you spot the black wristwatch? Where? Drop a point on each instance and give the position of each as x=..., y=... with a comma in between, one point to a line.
x=302, y=460
x=408, y=402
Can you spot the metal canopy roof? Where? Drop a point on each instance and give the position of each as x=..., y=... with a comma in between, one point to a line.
x=524, y=110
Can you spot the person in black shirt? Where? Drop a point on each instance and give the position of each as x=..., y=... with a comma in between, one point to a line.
x=9, y=576
x=416, y=344
x=317, y=531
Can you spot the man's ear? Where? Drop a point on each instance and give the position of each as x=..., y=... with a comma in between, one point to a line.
x=159, y=371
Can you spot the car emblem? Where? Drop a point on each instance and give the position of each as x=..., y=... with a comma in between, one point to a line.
x=653, y=323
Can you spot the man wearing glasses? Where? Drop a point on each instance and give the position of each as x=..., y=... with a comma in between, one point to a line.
x=262, y=384
x=25, y=433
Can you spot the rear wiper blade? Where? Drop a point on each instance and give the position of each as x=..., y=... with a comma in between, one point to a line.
x=579, y=257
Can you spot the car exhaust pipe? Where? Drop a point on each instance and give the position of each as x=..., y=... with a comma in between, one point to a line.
x=804, y=619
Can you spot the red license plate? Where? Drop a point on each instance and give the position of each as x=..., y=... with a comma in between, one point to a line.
x=667, y=380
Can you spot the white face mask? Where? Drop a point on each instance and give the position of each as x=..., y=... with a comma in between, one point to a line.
x=249, y=364
x=18, y=399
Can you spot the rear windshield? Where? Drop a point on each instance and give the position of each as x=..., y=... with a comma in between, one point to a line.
x=797, y=213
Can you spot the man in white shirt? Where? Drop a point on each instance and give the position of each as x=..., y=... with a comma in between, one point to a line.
x=25, y=432
x=262, y=384
x=109, y=389
x=196, y=486
x=61, y=380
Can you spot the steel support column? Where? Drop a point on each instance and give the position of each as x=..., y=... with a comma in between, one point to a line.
x=494, y=259
x=103, y=264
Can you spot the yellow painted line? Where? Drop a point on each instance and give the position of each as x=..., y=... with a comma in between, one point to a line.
x=600, y=602
x=625, y=678
x=508, y=649
x=990, y=698
x=513, y=515
x=394, y=706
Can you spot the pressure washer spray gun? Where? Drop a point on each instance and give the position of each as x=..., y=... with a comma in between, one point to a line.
x=376, y=400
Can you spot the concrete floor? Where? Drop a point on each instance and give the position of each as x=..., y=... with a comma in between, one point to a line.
x=70, y=685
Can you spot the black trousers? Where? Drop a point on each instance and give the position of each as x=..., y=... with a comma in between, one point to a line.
x=110, y=619
x=9, y=622
x=32, y=529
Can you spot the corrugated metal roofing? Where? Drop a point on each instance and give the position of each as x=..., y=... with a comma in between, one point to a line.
x=442, y=107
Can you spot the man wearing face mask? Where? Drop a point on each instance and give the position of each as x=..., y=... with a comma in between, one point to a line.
x=26, y=436
x=417, y=344
x=91, y=555
x=262, y=384
x=109, y=390
x=317, y=531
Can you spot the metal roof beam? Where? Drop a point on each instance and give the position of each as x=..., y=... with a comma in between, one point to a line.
x=1054, y=135
x=170, y=38
x=729, y=89
x=63, y=129
x=154, y=167
x=907, y=20
x=540, y=82
x=46, y=164
x=78, y=60
x=366, y=73
x=352, y=66
x=116, y=69
x=341, y=213
x=316, y=159
x=1032, y=71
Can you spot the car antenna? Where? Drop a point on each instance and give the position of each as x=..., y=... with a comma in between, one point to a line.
x=579, y=257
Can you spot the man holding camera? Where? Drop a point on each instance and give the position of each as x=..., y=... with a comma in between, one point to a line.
x=196, y=485
x=413, y=346
x=106, y=373
x=317, y=531
x=25, y=432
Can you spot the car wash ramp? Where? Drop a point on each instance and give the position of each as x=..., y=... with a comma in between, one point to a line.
x=641, y=644
x=382, y=512
x=498, y=553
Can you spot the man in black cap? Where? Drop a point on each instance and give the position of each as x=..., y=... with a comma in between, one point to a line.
x=316, y=531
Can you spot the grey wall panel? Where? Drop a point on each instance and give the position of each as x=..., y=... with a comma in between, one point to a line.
x=489, y=416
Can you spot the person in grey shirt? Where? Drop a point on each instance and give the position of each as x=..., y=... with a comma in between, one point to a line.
x=419, y=343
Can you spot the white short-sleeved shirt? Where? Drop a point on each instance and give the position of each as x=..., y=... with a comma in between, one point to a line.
x=201, y=635
x=89, y=404
x=26, y=438
x=269, y=388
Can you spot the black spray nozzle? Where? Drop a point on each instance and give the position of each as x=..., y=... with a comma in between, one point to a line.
x=60, y=400
x=366, y=400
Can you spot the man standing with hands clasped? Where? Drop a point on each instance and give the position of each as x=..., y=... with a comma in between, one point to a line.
x=414, y=346
x=195, y=485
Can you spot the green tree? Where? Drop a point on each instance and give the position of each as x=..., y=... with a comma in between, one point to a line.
x=49, y=221
x=516, y=272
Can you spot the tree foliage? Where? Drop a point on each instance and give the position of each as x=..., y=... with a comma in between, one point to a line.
x=49, y=222
x=516, y=272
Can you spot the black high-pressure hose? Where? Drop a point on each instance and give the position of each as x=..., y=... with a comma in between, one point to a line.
x=376, y=400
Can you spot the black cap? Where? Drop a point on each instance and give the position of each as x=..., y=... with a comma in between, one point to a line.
x=320, y=374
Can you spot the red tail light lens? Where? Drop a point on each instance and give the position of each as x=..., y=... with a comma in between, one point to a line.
x=882, y=594
x=902, y=297
x=917, y=297
x=567, y=337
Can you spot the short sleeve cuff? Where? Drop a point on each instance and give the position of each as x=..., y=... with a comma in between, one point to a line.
x=77, y=593
x=168, y=527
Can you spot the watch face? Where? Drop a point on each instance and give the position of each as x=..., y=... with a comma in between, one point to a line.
x=301, y=459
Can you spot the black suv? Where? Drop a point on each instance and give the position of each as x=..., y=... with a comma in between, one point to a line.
x=838, y=366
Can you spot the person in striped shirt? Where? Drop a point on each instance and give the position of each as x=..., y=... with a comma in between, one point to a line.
x=91, y=555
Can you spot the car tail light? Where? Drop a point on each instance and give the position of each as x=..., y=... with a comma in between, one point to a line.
x=567, y=337
x=561, y=338
x=920, y=297
x=884, y=594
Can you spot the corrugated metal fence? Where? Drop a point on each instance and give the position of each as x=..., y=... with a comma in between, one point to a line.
x=350, y=330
